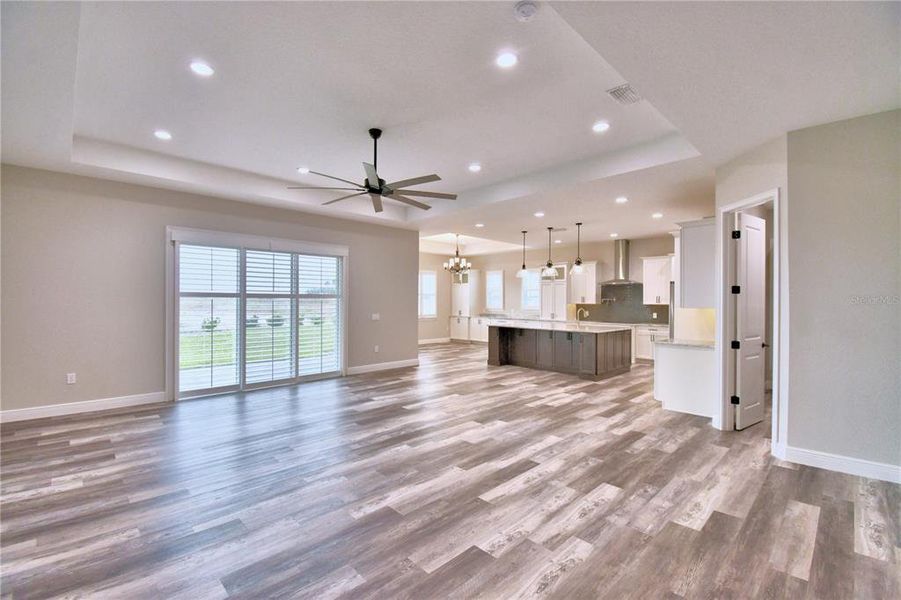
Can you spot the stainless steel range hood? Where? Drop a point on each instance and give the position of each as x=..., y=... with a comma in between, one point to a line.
x=620, y=264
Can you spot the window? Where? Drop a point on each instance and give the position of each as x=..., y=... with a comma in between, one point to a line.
x=531, y=290
x=494, y=290
x=428, y=294
x=255, y=317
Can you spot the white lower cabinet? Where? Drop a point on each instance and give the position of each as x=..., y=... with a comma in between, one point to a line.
x=459, y=328
x=645, y=336
x=478, y=329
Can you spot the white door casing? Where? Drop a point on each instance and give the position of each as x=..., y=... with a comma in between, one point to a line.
x=750, y=322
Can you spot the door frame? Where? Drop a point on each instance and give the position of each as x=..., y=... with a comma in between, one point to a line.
x=724, y=419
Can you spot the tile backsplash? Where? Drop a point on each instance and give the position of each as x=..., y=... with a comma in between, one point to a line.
x=623, y=304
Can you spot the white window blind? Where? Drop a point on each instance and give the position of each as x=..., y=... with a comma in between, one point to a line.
x=531, y=290
x=494, y=290
x=319, y=314
x=209, y=307
x=256, y=317
x=428, y=294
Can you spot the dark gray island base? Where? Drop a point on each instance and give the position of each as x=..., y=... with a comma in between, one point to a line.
x=590, y=354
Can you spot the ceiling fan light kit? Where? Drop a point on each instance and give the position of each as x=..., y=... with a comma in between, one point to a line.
x=378, y=188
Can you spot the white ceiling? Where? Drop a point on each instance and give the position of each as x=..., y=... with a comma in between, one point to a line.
x=732, y=75
x=300, y=83
x=470, y=245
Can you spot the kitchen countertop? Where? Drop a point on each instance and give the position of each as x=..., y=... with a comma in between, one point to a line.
x=585, y=326
x=709, y=345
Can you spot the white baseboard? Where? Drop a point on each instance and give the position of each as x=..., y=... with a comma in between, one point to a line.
x=71, y=408
x=397, y=364
x=842, y=464
x=434, y=341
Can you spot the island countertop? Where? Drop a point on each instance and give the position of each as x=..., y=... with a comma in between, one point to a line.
x=543, y=325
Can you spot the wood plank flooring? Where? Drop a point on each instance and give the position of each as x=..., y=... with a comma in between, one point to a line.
x=451, y=480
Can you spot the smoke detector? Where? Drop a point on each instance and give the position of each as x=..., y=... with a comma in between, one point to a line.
x=525, y=10
x=624, y=94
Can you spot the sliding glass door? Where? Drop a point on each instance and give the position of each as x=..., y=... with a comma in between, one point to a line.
x=252, y=318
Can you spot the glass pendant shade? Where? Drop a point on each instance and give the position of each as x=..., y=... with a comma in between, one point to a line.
x=523, y=271
x=577, y=265
x=549, y=272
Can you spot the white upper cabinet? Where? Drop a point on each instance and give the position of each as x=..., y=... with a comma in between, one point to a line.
x=655, y=279
x=553, y=300
x=697, y=263
x=583, y=286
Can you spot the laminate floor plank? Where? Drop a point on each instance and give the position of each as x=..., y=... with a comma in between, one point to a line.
x=453, y=479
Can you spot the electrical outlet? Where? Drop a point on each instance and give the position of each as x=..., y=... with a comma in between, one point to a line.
x=70, y=378
x=653, y=315
x=376, y=348
x=376, y=316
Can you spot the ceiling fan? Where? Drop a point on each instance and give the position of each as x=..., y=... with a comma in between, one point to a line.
x=378, y=188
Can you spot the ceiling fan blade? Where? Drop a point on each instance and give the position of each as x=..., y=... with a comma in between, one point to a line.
x=316, y=187
x=376, y=202
x=371, y=175
x=410, y=201
x=342, y=198
x=336, y=178
x=415, y=181
x=427, y=194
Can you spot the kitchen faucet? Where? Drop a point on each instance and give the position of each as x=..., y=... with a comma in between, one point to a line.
x=579, y=313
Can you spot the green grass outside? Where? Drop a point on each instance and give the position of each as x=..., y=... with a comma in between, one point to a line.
x=195, y=348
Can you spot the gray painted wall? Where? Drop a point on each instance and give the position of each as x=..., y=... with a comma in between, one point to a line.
x=844, y=213
x=83, y=282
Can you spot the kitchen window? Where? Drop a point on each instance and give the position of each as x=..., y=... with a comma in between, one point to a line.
x=428, y=294
x=494, y=290
x=531, y=290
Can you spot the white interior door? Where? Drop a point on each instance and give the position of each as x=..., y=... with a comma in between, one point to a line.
x=750, y=368
x=547, y=300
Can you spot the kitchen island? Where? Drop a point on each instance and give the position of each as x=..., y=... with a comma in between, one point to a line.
x=590, y=351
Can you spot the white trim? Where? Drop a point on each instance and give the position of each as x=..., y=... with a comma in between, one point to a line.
x=842, y=464
x=443, y=340
x=83, y=406
x=397, y=364
x=251, y=242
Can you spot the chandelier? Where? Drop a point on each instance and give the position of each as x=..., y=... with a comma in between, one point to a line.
x=457, y=265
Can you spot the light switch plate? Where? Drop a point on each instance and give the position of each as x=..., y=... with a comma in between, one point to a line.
x=376, y=316
x=70, y=378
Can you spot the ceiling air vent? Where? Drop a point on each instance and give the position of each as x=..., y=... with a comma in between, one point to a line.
x=624, y=94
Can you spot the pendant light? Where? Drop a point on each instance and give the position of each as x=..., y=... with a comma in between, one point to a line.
x=523, y=271
x=577, y=266
x=549, y=272
x=457, y=265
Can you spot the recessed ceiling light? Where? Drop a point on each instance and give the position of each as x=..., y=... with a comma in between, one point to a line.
x=622, y=200
x=474, y=167
x=657, y=216
x=505, y=60
x=480, y=225
x=201, y=68
x=539, y=214
x=558, y=241
x=303, y=170
x=600, y=126
x=162, y=134
x=614, y=235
